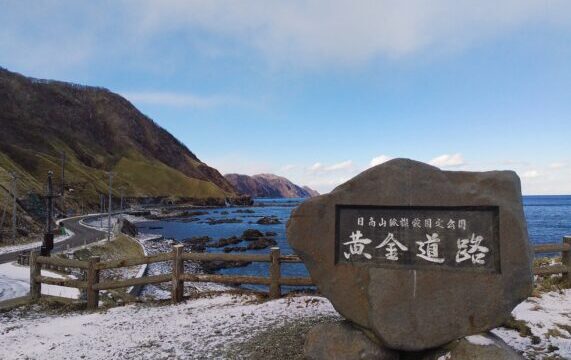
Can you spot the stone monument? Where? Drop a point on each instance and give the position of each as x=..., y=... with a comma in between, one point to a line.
x=416, y=257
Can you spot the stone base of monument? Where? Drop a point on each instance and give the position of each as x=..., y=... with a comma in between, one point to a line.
x=343, y=341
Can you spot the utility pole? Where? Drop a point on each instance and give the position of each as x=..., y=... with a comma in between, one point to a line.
x=63, y=184
x=122, y=203
x=101, y=210
x=109, y=206
x=48, y=243
x=14, y=207
x=50, y=207
x=3, y=217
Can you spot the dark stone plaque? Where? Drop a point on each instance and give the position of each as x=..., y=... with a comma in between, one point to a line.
x=416, y=237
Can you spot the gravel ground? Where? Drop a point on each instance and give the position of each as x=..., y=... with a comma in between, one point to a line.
x=283, y=342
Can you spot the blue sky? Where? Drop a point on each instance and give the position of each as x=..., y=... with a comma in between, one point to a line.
x=318, y=91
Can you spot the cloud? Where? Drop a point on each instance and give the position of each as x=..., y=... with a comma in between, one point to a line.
x=313, y=33
x=179, y=99
x=530, y=174
x=288, y=167
x=319, y=167
x=557, y=165
x=315, y=167
x=342, y=32
x=446, y=160
x=379, y=160
x=344, y=165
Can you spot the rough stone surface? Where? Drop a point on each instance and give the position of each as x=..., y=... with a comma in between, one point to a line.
x=477, y=347
x=342, y=341
x=418, y=309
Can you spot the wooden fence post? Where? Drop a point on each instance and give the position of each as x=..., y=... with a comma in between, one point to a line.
x=566, y=260
x=92, y=279
x=35, y=271
x=275, y=273
x=177, y=270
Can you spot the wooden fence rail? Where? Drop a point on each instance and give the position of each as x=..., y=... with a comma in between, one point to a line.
x=93, y=266
x=565, y=267
x=93, y=285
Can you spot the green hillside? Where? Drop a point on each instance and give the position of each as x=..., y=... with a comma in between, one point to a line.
x=98, y=131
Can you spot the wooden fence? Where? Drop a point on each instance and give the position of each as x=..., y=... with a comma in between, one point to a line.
x=565, y=267
x=92, y=283
x=93, y=266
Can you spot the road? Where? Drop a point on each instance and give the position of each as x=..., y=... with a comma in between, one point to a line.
x=81, y=236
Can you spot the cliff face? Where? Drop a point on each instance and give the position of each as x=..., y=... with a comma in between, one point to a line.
x=268, y=185
x=98, y=131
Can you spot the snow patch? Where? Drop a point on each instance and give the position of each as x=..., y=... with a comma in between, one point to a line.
x=549, y=318
x=448, y=356
x=15, y=282
x=480, y=340
x=198, y=329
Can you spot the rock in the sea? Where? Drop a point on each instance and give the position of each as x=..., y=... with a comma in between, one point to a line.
x=268, y=220
x=129, y=228
x=342, y=341
x=410, y=307
x=212, y=221
x=233, y=240
x=212, y=266
x=252, y=234
x=197, y=244
x=261, y=243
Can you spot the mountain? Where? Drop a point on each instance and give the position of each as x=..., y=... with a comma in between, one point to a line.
x=310, y=191
x=269, y=186
x=99, y=131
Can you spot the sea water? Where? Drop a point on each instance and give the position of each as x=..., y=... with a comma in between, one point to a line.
x=548, y=220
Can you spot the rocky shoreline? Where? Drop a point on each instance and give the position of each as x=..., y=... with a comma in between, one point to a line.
x=255, y=240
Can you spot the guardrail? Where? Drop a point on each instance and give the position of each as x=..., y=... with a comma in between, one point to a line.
x=93, y=285
x=565, y=267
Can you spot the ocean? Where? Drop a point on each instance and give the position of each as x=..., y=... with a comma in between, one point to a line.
x=548, y=220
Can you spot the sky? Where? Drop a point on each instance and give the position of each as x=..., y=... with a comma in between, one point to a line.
x=318, y=91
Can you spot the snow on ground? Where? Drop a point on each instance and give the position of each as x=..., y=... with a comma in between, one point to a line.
x=101, y=223
x=207, y=327
x=155, y=244
x=15, y=282
x=197, y=329
x=28, y=246
x=549, y=318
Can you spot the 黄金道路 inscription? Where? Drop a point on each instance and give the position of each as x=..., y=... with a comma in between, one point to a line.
x=463, y=238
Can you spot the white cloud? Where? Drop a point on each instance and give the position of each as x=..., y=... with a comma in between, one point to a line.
x=315, y=167
x=379, y=160
x=557, y=165
x=344, y=165
x=309, y=33
x=319, y=167
x=179, y=99
x=530, y=174
x=448, y=160
x=288, y=167
x=343, y=32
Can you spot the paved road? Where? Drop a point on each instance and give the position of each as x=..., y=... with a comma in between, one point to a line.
x=81, y=236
